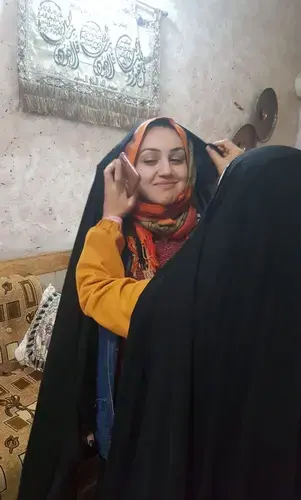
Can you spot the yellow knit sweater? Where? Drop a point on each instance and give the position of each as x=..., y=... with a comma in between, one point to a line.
x=105, y=294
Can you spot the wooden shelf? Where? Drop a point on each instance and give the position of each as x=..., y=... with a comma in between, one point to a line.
x=38, y=264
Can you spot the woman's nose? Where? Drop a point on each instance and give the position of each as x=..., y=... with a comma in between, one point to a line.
x=165, y=167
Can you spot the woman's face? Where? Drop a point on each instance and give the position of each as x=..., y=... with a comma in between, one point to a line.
x=162, y=166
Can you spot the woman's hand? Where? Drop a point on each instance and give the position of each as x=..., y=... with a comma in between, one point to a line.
x=229, y=152
x=116, y=201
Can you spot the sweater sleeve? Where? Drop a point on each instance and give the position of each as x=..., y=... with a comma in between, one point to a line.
x=105, y=294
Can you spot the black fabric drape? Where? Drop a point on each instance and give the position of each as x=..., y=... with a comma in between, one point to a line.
x=65, y=409
x=209, y=401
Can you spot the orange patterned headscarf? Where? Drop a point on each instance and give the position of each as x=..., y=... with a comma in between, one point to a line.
x=133, y=147
x=173, y=222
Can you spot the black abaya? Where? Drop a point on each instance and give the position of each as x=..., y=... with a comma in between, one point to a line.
x=209, y=401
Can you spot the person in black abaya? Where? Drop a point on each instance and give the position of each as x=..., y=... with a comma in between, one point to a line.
x=209, y=401
x=77, y=367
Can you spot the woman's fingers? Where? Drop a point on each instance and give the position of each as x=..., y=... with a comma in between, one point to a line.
x=229, y=148
x=217, y=159
x=114, y=178
x=113, y=175
x=225, y=145
x=229, y=152
x=119, y=177
x=225, y=142
x=116, y=201
x=109, y=172
x=118, y=171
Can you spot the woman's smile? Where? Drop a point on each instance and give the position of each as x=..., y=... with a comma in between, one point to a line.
x=166, y=184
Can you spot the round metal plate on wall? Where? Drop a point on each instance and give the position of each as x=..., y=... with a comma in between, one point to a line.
x=266, y=114
x=245, y=138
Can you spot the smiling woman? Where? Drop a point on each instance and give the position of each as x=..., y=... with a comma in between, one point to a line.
x=122, y=243
x=162, y=217
x=138, y=235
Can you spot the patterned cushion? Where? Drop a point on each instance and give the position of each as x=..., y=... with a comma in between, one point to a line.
x=39, y=334
x=18, y=397
x=19, y=299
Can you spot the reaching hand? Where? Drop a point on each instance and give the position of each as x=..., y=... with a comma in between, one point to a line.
x=229, y=152
x=116, y=201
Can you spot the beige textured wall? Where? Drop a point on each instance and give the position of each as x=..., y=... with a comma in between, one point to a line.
x=214, y=52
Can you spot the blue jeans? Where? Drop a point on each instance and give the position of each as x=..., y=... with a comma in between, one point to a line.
x=106, y=371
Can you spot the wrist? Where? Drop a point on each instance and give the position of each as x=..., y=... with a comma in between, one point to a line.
x=113, y=218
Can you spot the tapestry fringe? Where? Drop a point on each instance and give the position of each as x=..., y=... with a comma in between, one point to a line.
x=96, y=110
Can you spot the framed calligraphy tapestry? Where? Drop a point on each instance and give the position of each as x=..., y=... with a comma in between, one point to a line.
x=91, y=61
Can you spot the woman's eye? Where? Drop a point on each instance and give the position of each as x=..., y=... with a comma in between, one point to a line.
x=177, y=161
x=150, y=161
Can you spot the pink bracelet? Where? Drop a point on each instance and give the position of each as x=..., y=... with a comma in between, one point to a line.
x=113, y=218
